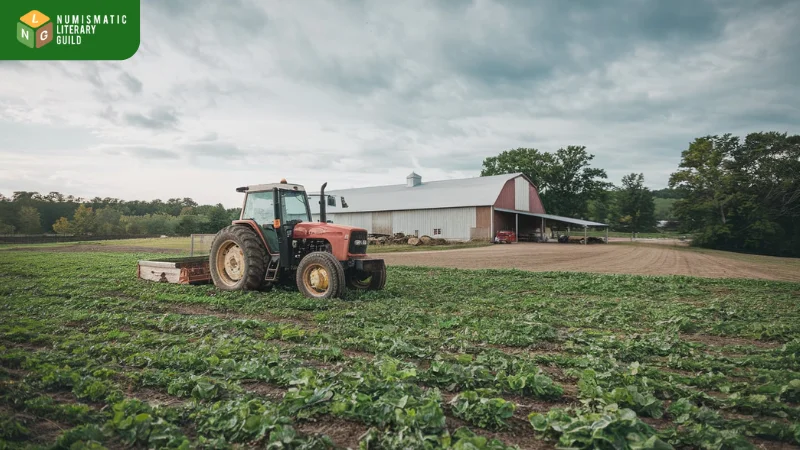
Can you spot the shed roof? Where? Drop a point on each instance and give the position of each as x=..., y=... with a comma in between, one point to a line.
x=463, y=192
x=581, y=222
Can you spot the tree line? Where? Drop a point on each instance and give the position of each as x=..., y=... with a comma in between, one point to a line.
x=729, y=193
x=34, y=213
x=569, y=186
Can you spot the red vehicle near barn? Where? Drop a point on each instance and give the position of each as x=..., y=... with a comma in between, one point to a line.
x=505, y=237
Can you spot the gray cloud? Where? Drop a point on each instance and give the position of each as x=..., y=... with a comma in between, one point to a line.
x=214, y=149
x=143, y=152
x=130, y=82
x=158, y=118
x=361, y=91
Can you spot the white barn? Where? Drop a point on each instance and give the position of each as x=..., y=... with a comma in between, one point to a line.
x=461, y=209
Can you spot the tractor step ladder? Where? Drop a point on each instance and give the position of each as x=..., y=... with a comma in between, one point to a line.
x=272, y=268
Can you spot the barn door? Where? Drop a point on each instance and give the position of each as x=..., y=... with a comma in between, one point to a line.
x=382, y=223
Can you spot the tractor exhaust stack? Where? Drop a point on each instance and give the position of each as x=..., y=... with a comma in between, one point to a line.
x=323, y=204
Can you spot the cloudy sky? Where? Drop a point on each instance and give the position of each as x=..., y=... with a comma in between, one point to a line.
x=359, y=93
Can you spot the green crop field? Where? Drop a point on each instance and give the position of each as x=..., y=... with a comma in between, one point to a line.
x=91, y=357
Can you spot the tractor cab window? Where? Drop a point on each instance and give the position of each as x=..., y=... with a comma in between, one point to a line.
x=295, y=206
x=260, y=207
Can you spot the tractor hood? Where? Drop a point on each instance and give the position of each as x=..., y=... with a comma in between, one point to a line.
x=305, y=230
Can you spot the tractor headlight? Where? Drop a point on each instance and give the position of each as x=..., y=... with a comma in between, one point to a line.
x=359, y=242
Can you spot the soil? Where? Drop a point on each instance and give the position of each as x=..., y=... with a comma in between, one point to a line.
x=601, y=258
x=199, y=310
x=344, y=433
x=518, y=433
x=264, y=389
x=156, y=397
x=722, y=341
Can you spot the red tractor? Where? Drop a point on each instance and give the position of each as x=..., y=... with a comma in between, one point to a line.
x=275, y=240
x=505, y=237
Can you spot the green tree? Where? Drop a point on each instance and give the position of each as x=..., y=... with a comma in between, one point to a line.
x=741, y=195
x=601, y=208
x=29, y=220
x=6, y=228
x=218, y=218
x=565, y=180
x=83, y=221
x=634, y=204
x=107, y=221
x=62, y=226
x=668, y=193
x=190, y=223
x=133, y=225
x=534, y=164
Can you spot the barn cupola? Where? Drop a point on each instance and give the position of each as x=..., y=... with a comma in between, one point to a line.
x=413, y=180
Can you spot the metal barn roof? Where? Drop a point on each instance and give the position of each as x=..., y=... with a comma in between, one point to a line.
x=477, y=191
x=581, y=222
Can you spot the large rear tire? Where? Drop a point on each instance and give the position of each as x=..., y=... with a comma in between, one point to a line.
x=367, y=281
x=320, y=275
x=238, y=259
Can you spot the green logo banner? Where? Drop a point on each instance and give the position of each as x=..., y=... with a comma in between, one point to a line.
x=69, y=29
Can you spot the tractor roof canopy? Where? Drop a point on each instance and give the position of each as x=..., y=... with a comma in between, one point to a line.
x=271, y=186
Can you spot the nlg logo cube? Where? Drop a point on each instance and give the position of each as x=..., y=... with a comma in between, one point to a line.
x=34, y=29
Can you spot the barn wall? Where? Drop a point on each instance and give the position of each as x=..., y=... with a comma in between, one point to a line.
x=521, y=194
x=359, y=219
x=455, y=223
x=506, y=198
x=483, y=223
x=536, y=205
x=381, y=222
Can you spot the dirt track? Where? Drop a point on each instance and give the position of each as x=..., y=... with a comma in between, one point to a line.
x=611, y=258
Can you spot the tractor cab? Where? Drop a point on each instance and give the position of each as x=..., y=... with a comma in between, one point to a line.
x=276, y=208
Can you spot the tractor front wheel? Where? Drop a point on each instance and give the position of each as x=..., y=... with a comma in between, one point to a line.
x=320, y=275
x=371, y=281
x=237, y=259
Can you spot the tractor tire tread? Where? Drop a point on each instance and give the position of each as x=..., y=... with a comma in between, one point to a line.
x=255, y=256
x=332, y=264
x=378, y=281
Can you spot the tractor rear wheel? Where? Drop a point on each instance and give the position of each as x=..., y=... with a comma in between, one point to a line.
x=238, y=259
x=320, y=275
x=371, y=281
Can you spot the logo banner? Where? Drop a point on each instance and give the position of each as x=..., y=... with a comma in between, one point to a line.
x=69, y=29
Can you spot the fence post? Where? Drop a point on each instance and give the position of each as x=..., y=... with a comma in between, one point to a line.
x=191, y=245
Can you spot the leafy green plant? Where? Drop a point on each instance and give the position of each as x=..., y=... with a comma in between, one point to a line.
x=533, y=384
x=609, y=428
x=12, y=428
x=87, y=436
x=625, y=389
x=136, y=422
x=77, y=331
x=483, y=411
x=239, y=420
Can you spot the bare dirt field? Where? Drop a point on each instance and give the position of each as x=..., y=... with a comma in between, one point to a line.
x=643, y=257
x=622, y=258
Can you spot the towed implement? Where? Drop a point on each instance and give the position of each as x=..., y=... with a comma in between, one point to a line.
x=275, y=241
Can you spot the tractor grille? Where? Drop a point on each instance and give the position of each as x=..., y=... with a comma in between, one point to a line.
x=358, y=242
